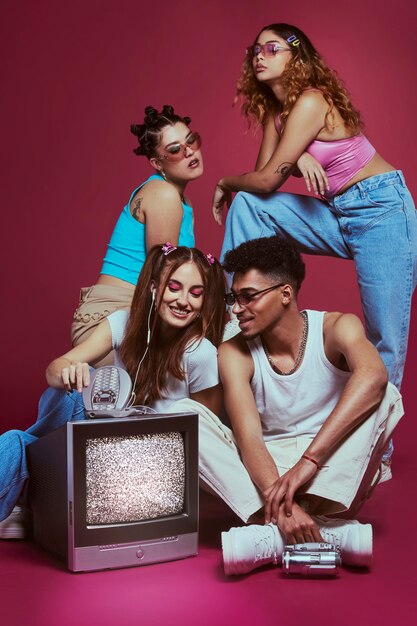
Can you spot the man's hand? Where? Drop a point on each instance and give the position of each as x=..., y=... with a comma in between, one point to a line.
x=299, y=528
x=282, y=491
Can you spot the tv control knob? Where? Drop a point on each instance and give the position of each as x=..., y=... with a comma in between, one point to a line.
x=140, y=554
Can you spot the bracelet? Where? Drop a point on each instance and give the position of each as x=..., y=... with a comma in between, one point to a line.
x=308, y=458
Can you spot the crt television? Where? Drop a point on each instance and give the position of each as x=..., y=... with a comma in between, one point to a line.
x=110, y=493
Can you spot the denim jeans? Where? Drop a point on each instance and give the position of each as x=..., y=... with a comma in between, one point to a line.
x=374, y=223
x=56, y=407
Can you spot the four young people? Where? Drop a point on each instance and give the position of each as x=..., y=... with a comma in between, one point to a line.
x=289, y=458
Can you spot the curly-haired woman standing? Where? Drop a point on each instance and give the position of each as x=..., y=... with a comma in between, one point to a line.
x=366, y=212
x=157, y=211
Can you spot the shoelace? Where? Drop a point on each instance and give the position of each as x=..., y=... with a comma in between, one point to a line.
x=264, y=549
x=331, y=537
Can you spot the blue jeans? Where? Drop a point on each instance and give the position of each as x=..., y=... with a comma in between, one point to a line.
x=374, y=223
x=56, y=407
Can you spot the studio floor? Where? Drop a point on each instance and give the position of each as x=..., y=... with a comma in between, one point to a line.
x=36, y=589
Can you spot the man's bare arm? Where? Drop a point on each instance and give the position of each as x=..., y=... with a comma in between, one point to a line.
x=344, y=335
x=236, y=370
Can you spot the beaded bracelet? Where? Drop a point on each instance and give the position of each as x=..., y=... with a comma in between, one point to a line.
x=308, y=458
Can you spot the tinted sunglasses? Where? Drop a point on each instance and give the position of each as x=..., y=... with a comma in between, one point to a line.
x=267, y=50
x=176, y=151
x=243, y=299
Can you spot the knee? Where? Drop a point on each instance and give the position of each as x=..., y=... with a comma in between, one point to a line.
x=10, y=441
x=242, y=205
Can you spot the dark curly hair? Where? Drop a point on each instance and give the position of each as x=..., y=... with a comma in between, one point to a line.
x=274, y=256
x=150, y=131
x=306, y=69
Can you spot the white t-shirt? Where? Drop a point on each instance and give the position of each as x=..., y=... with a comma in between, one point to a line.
x=199, y=363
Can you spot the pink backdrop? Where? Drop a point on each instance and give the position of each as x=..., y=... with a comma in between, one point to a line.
x=76, y=74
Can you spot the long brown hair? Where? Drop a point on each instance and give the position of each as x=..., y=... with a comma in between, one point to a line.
x=305, y=69
x=162, y=358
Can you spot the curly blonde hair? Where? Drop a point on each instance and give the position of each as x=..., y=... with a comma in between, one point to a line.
x=306, y=69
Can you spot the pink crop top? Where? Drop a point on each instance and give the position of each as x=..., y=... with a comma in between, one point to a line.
x=341, y=159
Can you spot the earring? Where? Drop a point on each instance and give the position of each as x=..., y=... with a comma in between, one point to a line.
x=161, y=171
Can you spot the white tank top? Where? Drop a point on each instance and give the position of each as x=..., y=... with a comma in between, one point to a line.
x=298, y=404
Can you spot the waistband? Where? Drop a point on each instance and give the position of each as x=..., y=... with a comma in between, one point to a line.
x=104, y=291
x=373, y=182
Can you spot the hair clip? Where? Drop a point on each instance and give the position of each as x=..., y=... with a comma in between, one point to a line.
x=167, y=248
x=210, y=258
x=293, y=41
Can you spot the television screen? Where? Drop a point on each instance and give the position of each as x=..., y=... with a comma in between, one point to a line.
x=117, y=492
x=136, y=478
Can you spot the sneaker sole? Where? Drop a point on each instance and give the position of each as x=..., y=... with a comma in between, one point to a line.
x=228, y=553
x=12, y=533
x=364, y=547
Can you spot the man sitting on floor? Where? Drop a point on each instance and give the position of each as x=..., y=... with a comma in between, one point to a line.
x=311, y=412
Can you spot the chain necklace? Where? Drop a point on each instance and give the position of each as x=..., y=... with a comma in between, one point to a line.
x=300, y=351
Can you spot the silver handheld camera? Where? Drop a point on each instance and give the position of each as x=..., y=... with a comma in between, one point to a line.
x=311, y=559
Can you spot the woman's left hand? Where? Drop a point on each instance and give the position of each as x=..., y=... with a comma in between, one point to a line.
x=221, y=198
x=314, y=175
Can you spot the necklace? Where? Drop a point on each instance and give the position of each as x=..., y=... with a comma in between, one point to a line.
x=300, y=351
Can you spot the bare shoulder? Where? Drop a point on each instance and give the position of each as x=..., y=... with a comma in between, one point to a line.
x=342, y=328
x=235, y=356
x=163, y=190
x=312, y=99
x=342, y=321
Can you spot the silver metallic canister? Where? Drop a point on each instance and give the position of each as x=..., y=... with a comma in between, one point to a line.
x=311, y=559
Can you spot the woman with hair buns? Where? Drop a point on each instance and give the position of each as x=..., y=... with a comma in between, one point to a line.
x=157, y=211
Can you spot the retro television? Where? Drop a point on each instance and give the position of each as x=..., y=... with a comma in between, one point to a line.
x=110, y=493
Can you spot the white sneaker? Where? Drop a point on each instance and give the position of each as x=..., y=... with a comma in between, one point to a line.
x=248, y=547
x=353, y=539
x=14, y=526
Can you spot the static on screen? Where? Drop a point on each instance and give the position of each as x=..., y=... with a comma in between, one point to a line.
x=135, y=478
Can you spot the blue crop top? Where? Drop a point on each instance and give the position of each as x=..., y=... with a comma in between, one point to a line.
x=126, y=250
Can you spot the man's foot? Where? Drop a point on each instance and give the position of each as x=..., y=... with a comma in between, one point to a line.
x=14, y=526
x=249, y=547
x=353, y=539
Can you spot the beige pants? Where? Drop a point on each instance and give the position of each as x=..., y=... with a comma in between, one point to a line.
x=96, y=303
x=344, y=483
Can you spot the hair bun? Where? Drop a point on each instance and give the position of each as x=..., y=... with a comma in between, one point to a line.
x=151, y=116
x=135, y=129
x=167, y=109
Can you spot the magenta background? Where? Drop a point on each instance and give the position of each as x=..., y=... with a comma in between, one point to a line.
x=76, y=74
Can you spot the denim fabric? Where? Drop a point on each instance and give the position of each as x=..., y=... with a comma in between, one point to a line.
x=374, y=223
x=56, y=407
